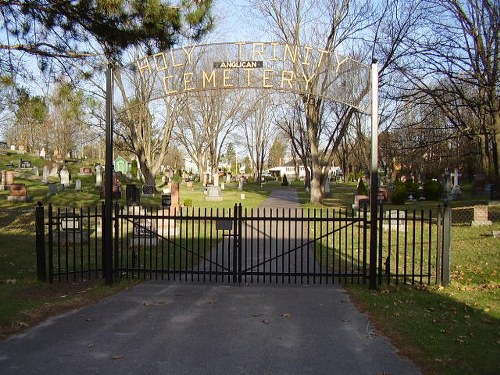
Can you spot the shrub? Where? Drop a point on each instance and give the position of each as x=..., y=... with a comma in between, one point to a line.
x=284, y=181
x=433, y=190
x=133, y=169
x=399, y=194
x=361, y=188
x=188, y=202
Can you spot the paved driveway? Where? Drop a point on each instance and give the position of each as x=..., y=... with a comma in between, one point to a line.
x=165, y=328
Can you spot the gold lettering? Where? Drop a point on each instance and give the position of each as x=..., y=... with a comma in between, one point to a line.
x=308, y=80
x=208, y=79
x=165, y=86
x=249, y=76
x=188, y=53
x=288, y=51
x=287, y=76
x=240, y=49
x=266, y=78
x=258, y=52
x=274, y=58
x=306, y=57
x=323, y=53
x=172, y=53
x=226, y=78
x=188, y=82
x=339, y=62
x=144, y=67
x=160, y=62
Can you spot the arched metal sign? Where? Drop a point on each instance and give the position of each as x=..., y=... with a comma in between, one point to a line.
x=302, y=70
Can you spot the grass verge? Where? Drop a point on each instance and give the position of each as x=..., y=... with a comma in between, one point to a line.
x=446, y=330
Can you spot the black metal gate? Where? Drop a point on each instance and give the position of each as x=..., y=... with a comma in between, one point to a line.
x=318, y=246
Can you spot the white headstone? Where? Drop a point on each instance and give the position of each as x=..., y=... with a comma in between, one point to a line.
x=64, y=174
x=454, y=178
x=45, y=174
x=42, y=153
x=36, y=172
x=98, y=176
x=78, y=185
x=327, y=186
x=13, y=147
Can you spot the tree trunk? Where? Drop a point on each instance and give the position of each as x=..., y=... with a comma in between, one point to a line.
x=312, y=123
x=496, y=149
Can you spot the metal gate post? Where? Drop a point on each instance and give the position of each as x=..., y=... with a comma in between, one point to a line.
x=40, y=242
x=235, y=243
x=51, y=246
x=116, y=239
x=238, y=240
x=446, y=245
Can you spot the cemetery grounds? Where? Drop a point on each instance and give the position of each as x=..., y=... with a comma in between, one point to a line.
x=445, y=330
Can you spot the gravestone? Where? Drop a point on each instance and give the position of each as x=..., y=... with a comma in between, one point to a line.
x=213, y=193
x=116, y=189
x=481, y=216
x=327, y=188
x=394, y=220
x=148, y=190
x=42, y=153
x=45, y=174
x=166, y=199
x=7, y=179
x=53, y=188
x=78, y=185
x=144, y=231
x=12, y=147
x=3, y=186
x=85, y=171
x=98, y=176
x=18, y=192
x=174, y=191
x=456, y=192
x=241, y=182
x=133, y=195
x=36, y=172
x=64, y=175
x=24, y=164
x=479, y=183
x=360, y=201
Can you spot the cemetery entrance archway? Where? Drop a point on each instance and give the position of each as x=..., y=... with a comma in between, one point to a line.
x=153, y=84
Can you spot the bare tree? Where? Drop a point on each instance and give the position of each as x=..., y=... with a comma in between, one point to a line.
x=455, y=66
x=259, y=128
x=330, y=25
x=205, y=125
x=144, y=125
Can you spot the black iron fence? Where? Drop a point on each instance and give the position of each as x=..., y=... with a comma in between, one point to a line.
x=306, y=246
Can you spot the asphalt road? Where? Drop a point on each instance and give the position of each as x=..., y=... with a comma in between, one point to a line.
x=159, y=328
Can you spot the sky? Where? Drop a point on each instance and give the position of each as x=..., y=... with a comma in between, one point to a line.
x=235, y=23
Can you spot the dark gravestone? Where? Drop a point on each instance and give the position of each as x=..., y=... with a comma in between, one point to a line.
x=148, y=190
x=133, y=195
x=166, y=200
x=25, y=164
x=495, y=192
